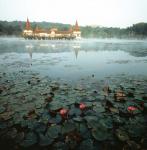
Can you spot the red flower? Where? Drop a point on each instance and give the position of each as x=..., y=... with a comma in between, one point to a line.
x=63, y=112
x=82, y=106
x=132, y=108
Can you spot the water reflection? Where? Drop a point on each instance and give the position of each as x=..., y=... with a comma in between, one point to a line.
x=137, y=48
x=77, y=48
x=29, y=49
x=61, y=58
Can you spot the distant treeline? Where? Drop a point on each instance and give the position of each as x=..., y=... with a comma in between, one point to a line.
x=138, y=30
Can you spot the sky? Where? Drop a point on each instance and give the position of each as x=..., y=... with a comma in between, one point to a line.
x=108, y=13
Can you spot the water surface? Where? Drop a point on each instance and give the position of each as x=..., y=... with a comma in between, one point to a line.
x=72, y=60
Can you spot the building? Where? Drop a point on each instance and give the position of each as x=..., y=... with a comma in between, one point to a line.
x=28, y=30
x=54, y=33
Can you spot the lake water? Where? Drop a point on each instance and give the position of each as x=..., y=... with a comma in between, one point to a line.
x=72, y=60
x=88, y=94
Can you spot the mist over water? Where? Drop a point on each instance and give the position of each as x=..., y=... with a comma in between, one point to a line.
x=72, y=60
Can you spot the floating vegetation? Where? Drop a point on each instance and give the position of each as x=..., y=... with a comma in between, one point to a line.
x=38, y=113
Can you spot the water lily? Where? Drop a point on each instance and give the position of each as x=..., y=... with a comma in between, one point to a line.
x=63, y=112
x=82, y=106
x=132, y=108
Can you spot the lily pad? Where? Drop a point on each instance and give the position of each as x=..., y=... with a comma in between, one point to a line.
x=136, y=130
x=60, y=146
x=118, y=120
x=29, y=140
x=99, y=109
x=54, y=131
x=106, y=122
x=55, y=105
x=114, y=110
x=68, y=127
x=78, y=119
x=11, y=133
x=44, y=140
x=2, y=109
x=55, y=120
x=122, y=135
x=75, y=112
x=6, y=115
x=86, y=145
x=40, y=127
x=119, y=95
x=100, y=133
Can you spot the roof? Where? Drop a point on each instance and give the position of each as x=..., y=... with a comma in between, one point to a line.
x=76, y=27
x=28, y=26
x=63, y=32
x=39, y=30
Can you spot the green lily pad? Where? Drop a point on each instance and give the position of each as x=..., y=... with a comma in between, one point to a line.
x=99, y=109
x=145, y=105
x=55, y=105
x=29, y=140
x=68, y=127
x=86, y=145
x=2, y=109
x=60, y=146
x=136, y=130
x=75, y=112
x=6, y=115
x=91, y=118
x=3, y=125
x=114, y=110
x=78, y=119
x=44, y=140
x=55, y=120
x=89, y=113
x=106, y=122
x=40, y=127
x=54, y=131
x=118, y=120
x=12, y=133
x=122, y=135
x=88, y=104
x=100, y=133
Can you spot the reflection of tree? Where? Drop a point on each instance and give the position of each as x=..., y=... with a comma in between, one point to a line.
x=76, y=48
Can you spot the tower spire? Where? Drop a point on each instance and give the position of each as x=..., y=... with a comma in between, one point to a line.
x=28, y=26
x=77, y=26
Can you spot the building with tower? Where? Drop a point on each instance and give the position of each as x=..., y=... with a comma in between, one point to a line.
x=53, y=33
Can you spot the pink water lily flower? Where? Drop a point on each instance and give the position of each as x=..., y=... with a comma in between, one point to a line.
x=82, y=106
x=63, y=112
x=132, y=108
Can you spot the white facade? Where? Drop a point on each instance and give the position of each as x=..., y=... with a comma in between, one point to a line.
x=28, y=32
x=77, y=34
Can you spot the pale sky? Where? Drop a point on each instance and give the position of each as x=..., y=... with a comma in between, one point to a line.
x=109, y=13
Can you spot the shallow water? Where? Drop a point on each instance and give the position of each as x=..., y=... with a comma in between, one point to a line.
x=72, y=60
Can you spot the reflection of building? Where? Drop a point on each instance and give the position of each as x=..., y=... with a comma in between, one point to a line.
x=54, y=33
x=29, y=48
x=76, y=50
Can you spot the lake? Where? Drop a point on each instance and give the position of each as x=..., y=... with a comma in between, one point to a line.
x=72, y=60
x=88, y=94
